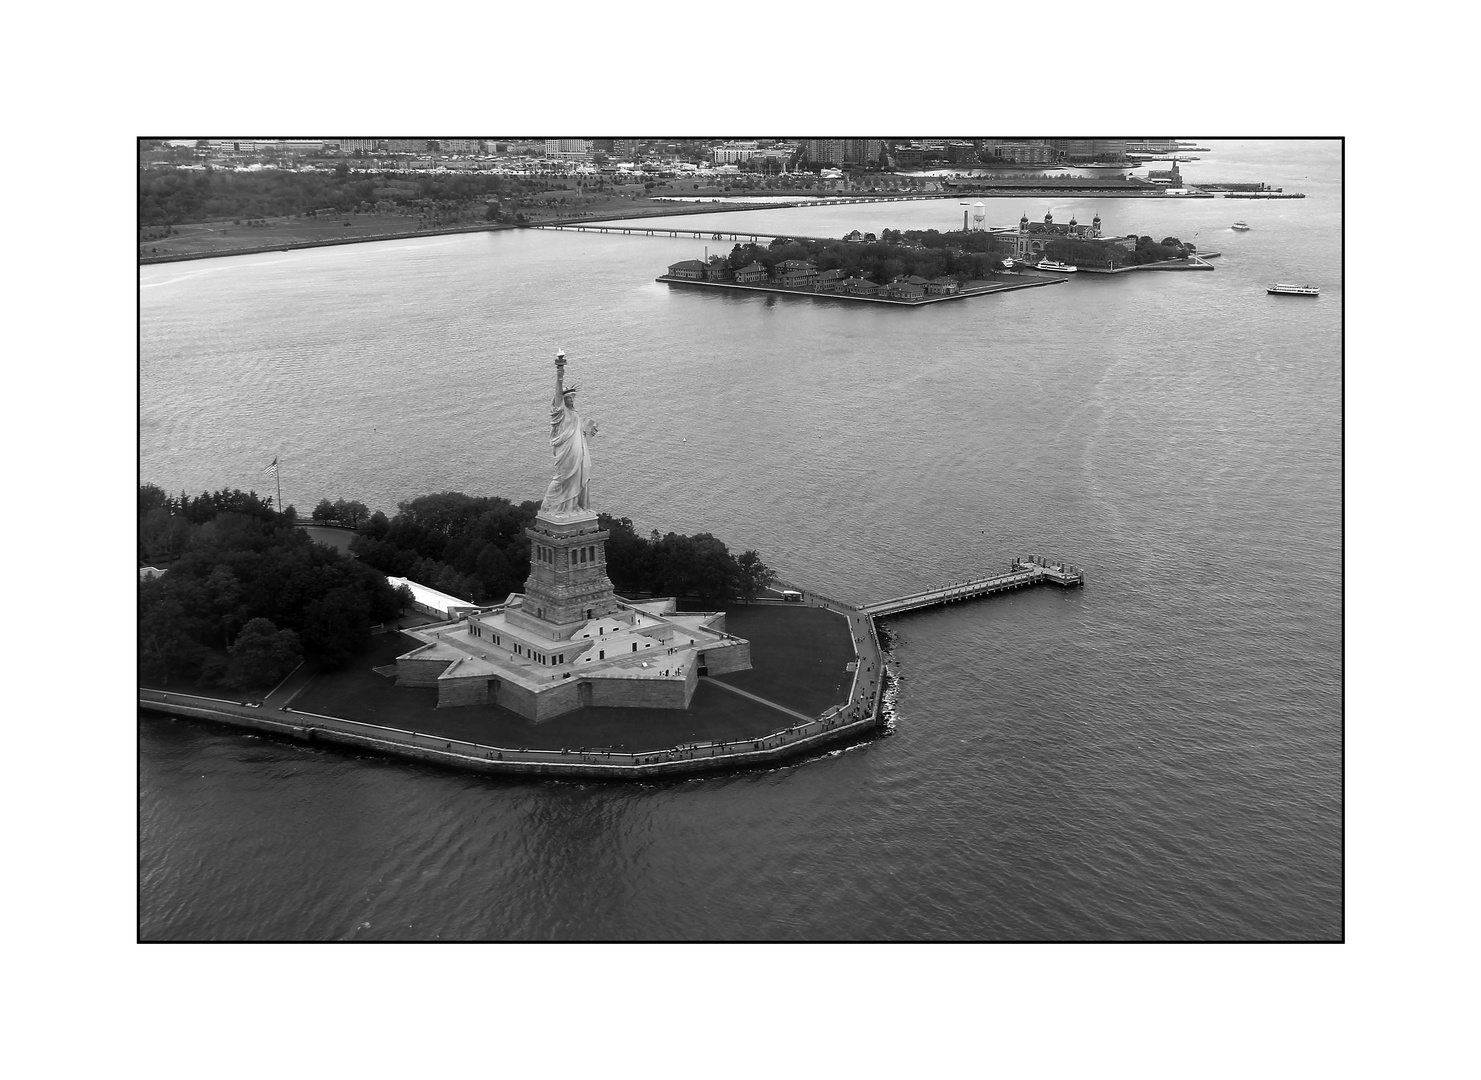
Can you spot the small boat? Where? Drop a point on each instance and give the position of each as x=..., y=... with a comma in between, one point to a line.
x=1280, y=289
x=1240, y=226
x=1057, y=267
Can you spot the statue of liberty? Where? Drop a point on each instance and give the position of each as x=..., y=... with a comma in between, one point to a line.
x=570, y=441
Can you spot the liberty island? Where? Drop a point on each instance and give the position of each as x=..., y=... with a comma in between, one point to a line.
x=568, y=678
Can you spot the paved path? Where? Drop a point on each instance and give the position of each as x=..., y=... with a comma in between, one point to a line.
x=762, y=700
x=284, y=693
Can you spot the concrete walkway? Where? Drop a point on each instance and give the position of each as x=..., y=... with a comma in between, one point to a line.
x=762, y=700
x=283, y=694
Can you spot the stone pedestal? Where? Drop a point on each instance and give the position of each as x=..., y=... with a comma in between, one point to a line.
x=568, y=584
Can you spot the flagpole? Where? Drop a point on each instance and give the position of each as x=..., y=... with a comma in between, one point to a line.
x=278, y=477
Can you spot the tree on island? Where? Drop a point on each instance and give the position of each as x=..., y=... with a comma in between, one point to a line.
x=924, y=253
x=262, y=655
x=246, y=592
x=241, y=564
x=753, y=575
x=1115, y=255
x=341, y=512
x=698, y=566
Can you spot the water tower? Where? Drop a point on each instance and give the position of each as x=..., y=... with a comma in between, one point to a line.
x=979, y=214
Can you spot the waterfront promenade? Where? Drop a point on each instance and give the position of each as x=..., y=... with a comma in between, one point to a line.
x=739, y=720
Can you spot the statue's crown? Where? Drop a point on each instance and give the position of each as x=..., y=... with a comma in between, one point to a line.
x=571, y=390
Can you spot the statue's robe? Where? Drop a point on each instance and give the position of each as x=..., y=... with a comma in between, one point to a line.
x=568, y=489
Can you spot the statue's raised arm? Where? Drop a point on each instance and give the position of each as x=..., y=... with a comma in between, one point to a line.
x=570, y=443
x=557, y=403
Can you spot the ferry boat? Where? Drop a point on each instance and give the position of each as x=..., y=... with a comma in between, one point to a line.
x=1057, y=267
x=1240, y=226
x=1279, y=289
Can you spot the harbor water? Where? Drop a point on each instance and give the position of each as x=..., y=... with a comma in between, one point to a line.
x=1154, y=756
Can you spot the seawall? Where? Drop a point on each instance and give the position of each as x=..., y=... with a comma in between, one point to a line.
x=798, y=741
x=859, y=714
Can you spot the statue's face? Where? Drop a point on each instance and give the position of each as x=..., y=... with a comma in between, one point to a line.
x=570, y=401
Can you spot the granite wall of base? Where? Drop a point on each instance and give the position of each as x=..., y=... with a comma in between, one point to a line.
x=559, y=699
x=470, y=691
x=413, y=672
x=723, y=659
x=646, y=693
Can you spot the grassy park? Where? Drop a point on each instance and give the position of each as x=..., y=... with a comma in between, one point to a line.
x=235, y=237
x=230, y=237
x=798, y=654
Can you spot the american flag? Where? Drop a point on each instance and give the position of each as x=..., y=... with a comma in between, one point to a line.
x=273, y=468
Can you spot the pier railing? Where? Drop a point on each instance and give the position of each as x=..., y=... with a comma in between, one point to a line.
x=826, y=726
x=830, y=725
x=1033, y=570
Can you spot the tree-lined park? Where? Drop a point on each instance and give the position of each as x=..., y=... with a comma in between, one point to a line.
x=246, y=594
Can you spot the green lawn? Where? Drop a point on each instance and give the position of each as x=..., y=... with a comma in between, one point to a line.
x=224, y=237
x=798, y=655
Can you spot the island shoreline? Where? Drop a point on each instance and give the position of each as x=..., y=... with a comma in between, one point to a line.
x=688, y=760
x=812, y=294
x=861, y=712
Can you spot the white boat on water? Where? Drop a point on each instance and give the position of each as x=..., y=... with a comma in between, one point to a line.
x=1057, y=267
x=1240, y=226
x=1281, y=289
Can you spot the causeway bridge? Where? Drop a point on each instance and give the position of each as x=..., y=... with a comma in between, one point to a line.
x=686, y=232
x=647, y=226
x=1034, y=570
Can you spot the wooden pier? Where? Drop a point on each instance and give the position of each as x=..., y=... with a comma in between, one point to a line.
x=1033, y=570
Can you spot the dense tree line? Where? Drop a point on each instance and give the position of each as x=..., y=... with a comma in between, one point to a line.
x=475, y=547
x=341, y=512
x=470, y=546
x=166, y=522
x=246, y=593
x=1104, y=253
x=676, y=565
x=925, y=253
x=175, y=196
